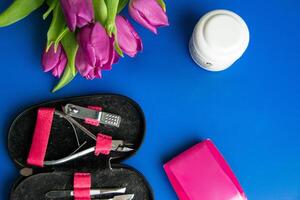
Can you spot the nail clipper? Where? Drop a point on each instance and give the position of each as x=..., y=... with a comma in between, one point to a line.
x=86, y=113
x=117, y=145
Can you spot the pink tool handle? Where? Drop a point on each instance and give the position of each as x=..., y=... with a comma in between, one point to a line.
x=103, y=144
x=82, y=186
x=93, y=122
x=40, y=137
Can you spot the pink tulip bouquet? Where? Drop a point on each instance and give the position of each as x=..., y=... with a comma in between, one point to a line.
x=88, y=36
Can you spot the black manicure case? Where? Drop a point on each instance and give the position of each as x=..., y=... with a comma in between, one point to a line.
x=106, y=170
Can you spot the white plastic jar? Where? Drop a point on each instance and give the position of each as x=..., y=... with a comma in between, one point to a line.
x=219, y=39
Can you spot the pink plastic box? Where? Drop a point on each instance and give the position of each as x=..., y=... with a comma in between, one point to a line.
x=201, y=173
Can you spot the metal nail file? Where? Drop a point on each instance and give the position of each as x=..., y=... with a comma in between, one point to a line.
x=86, y=113
x=57, y=194
x=120, y=197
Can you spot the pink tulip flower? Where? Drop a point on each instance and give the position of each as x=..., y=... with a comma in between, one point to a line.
x=96, y=51
x=148, y=13
x=78, y=13
x=54, y=61
x=128, y=39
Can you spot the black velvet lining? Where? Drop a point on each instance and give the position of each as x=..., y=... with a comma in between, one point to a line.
x=35, y=187
x=63, y=142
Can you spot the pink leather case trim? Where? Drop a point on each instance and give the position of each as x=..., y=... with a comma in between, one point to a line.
x=82, y=186
x=40, y=137
x=103, y=144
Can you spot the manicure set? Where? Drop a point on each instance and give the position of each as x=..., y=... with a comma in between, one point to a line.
x=72, y=149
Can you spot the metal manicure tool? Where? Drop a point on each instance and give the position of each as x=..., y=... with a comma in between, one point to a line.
x=86, y=113
x=117, y=145
x=120, y=197
x=57, y=194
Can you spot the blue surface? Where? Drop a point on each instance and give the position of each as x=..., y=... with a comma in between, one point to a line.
x=251, y=111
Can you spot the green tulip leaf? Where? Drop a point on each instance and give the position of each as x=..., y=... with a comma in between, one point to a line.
x=112, y=8
x=122, y=4
x=118, y=49
x=18, y=10
x=60, y=37
x=57, y=28
x=70, y=46
x=65, y=79
x=162, y=4
x=100, y=11
x=116, y=43
x=51, y=4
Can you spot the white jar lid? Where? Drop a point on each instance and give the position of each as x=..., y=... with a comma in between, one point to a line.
x=221, y=37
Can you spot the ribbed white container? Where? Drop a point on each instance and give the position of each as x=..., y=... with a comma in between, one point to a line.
x=219, y=39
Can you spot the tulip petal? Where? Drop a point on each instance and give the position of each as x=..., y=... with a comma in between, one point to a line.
x=82, y=63
x=69, y=13
x=96, y=73
x=116, y=57
x=113, y=56
x=85, y=13
x=128, y=39
x=148, y=13
x=62, y=64
x=54, y=61
x=96, y=51
x=138, y=17
x=152, y=11
x=59, y=69
x=84, y=41
x=91, y=54
x=77, y=12
x=50, y=58
x=84, y=35
x=101, y=43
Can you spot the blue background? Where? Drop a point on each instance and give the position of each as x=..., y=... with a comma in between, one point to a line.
x=251, y=111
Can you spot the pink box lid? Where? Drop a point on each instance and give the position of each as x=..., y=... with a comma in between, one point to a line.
x=201, y=172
